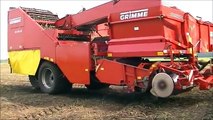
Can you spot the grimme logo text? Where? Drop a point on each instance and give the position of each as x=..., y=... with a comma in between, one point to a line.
x=133, y=14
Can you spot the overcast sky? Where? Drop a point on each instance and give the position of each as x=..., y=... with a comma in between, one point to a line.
x=202, y=8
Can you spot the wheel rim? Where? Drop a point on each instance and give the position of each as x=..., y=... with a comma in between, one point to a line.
x=47, y=78
x=162, y=85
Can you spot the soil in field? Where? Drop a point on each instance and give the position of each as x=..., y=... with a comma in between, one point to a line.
x=20, y=101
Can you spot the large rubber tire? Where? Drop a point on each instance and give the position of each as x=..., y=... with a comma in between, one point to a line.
x=34, y=82
x=95, y=84
x=51, y=80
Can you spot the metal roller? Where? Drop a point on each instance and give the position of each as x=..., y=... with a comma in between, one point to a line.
x=162, y=85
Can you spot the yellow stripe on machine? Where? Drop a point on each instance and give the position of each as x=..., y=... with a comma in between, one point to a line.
x=24, y=62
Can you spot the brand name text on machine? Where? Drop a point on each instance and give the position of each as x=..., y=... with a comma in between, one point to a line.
x=133, y=14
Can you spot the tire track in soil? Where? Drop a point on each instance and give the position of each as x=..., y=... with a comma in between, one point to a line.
x=43, y=113
x=20, y=107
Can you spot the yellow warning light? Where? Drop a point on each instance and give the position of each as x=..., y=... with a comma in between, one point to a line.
x=102, y=68
x=109, y=54
x=153, y=66
x=51, y=60
x=159, y=53
x=46, y=58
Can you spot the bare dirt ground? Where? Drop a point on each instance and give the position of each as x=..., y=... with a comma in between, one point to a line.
x=20, y=101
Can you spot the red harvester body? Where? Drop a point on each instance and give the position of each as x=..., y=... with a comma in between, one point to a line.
x=116, y=43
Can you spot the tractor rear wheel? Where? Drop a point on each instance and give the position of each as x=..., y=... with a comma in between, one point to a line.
x=34, y=82
x=51, y=80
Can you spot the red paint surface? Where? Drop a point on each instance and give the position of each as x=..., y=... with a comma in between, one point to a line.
x=163, y=28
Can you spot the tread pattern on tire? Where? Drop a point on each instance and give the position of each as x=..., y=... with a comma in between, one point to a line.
x=60, y=84
x=34, y=82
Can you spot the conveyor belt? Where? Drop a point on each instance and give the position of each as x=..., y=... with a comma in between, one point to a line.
x=39, y=14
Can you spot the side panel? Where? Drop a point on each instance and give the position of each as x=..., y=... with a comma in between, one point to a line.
x=116, y=73
x=110, y=72
x=191, y=32
x=204, y=44
x=16, y=20
x=24, y=33
x=140, y=46
x=141, y=22
x=73, y=58
x=211, y=38
x=134, y=31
